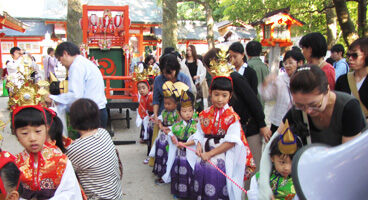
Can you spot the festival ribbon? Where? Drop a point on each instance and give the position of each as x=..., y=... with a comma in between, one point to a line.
x=218, y=169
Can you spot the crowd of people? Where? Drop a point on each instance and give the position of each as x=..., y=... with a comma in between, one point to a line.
x=194, y=131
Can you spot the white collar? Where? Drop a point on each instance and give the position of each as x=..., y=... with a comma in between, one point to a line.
x=242, y=68
x=222, y=109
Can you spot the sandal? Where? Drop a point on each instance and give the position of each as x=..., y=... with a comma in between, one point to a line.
x=146, y=161
x=159, y=181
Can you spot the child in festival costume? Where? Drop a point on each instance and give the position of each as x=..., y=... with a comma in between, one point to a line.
x=10, y=185
x=282, y=150
x=180, y=163
x=46, y=172
x=168, y=117
x=220, y=139
x=145, y=109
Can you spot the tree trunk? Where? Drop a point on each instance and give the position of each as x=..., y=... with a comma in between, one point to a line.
x=331, y=21
x=362, y=18
x=347, y=26
x=74, y=32
x=169, y=23
x=210, y=24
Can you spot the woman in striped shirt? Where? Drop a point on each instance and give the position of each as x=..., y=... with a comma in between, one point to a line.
x=93, y=155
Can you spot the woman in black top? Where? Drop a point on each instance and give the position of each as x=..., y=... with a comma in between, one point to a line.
x=238, y=59
x=197, y=73
x=333, y=117
x=358, y=61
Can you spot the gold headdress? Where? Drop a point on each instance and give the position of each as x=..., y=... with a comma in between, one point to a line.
x=178, y=87
x=137, y=76
x=152, y=72
x=185, y=100
x=287, y=142
x=24, y=92
x=167, y=89
x=221, y=67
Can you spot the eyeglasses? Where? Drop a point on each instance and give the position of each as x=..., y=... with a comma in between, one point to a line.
x=313, y=107
x=353, y=55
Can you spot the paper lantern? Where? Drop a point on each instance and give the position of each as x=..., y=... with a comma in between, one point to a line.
x=94, y=29
x=106, y=21
x=93, y=19
x=118, y=19
x=111, y=28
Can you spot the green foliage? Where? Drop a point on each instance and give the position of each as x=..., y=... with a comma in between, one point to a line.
x=191, y=11
x=312, y=12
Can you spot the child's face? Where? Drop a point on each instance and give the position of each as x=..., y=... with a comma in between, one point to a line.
x=169, y=104
x=282, y=164
x=32, y=138
x=220, y=98
x=143, y=89
x=186, y=113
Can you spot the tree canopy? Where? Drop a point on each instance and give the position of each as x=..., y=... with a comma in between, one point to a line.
x=312, y=12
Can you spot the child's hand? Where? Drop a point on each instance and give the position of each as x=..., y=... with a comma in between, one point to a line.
x=179, y=146
x=199, y=149
x=152, y=118
x=166, y=130
x=174, y=140
x=206, y=156
x=156, y=120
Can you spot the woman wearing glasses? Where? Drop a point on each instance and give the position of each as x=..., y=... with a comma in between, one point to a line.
x=277, y=88
x=333, y=117
x=355, y=82
x=330, y=117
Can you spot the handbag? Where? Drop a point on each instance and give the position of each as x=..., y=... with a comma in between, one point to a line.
x=199, y=91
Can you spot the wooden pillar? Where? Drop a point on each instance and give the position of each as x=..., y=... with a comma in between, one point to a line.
x=274, y=59
x=140, y=41
x=1, y=59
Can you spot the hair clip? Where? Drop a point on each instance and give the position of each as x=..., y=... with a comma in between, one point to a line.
x=303, y=68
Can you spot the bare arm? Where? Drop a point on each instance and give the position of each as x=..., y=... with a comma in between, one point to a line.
x=155, y=112
x=347, y=139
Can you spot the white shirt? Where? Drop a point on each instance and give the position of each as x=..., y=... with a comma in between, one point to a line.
x=242, y=68
x=13, y=65
x=277, y=90
x=85, y=81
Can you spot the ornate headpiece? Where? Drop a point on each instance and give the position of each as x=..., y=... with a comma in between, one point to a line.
x=185, y=100
x=139, y=77
x=287, y=142
x=152, y=72
x=167, y=89
x=173, y=89
x=178, y=88
x=221, y=67
x=24, y=92
x=5, y=158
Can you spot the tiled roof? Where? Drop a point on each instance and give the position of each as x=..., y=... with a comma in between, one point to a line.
x=35, y=28
x=242, y=33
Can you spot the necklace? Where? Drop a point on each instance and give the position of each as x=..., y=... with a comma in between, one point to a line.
x=320, y=64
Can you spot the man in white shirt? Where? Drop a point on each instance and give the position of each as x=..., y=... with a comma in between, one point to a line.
x=14, y=65
x=85, y=80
